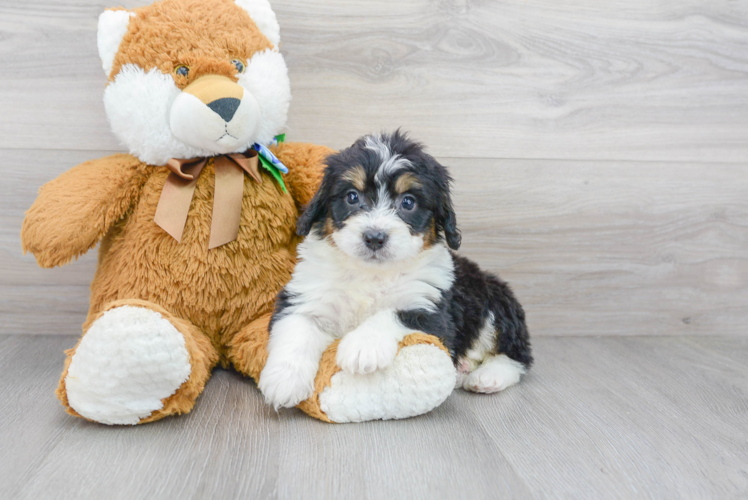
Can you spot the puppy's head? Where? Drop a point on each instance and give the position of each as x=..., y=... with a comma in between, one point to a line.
x=383, y=200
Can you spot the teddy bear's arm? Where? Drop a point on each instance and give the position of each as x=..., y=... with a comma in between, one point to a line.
x=305, y=163
x=74, y=211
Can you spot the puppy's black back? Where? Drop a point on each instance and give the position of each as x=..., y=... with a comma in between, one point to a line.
x=464, y=309
x=477, y=294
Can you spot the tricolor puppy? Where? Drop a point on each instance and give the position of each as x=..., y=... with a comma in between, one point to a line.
x=376, y=266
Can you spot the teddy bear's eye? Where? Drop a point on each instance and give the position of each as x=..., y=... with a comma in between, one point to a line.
x=182, y=70
x=240, y=67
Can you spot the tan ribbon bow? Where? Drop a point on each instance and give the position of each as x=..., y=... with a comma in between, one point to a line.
x=176, y=196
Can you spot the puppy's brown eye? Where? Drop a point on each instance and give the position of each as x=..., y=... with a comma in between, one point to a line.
x=352, y=197
x=408, y=203
x=182, y=70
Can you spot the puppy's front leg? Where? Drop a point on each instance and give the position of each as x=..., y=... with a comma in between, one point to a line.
x=373, y=345
x=295, y=347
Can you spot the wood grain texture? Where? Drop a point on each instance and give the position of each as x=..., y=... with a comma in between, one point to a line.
x=657, y=245
x=657, y=417
x=612, y=248
x=591, y=248
x=31, y=425
x=623, y=79
x=628, y=418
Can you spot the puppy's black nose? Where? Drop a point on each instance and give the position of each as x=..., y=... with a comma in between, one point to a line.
x=375, y=239
x=225, y=107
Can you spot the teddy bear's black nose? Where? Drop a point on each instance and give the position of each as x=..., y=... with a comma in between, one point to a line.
x=225, y=107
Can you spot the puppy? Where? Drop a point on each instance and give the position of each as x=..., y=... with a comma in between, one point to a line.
x=376, y=266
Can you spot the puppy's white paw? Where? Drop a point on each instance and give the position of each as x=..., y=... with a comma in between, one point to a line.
x=285, y=385
x=365, y=350
x=463, y=371
x=494, y=375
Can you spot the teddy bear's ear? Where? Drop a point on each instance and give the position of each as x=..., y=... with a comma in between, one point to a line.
x=112, y=28
x=264, y=17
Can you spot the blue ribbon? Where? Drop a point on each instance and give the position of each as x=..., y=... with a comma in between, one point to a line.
x=269, y=156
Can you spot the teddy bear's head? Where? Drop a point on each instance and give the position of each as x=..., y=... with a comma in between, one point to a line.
x=193, y=78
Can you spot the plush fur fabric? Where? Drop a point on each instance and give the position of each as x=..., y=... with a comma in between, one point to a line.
x=219, y=300
x=204, y=37
x=215, y=28
x=114, y=200
x=202, y=356
x=418, y=380
x=402, y=390
x=164, y=313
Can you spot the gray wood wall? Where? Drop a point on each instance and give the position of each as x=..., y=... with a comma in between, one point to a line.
x=600, y=149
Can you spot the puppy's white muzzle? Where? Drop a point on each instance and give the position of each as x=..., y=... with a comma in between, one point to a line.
x=389, y=239
x=216, y=114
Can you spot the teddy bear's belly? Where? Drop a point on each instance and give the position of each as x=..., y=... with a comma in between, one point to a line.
x=218, y=290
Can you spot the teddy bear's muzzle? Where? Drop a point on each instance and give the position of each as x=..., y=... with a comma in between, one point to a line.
x=215, y=113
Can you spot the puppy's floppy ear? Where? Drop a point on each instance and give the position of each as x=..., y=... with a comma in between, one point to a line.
x=448, y=222
x=316, y=208
x=445, y=214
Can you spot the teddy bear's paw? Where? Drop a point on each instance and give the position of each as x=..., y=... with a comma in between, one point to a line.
x=284, y=385
x=365, y=351
x=494, y=375
x=125, y=365
x=419, y=379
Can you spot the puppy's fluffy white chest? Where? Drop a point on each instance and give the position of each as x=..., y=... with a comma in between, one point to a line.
x=340, y=294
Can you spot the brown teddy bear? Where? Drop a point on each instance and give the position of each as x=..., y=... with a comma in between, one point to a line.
x=196, y=224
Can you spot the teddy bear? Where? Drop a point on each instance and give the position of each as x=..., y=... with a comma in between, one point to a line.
x=196, y=224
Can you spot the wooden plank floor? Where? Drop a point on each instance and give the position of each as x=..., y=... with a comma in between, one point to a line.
x=636, y=417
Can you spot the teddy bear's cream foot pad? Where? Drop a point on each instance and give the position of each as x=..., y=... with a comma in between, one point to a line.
x=420, y=378
x=127, y=363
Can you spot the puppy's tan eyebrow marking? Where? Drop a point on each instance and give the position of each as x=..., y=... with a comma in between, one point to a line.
x=406, y=182
x=357, y=177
